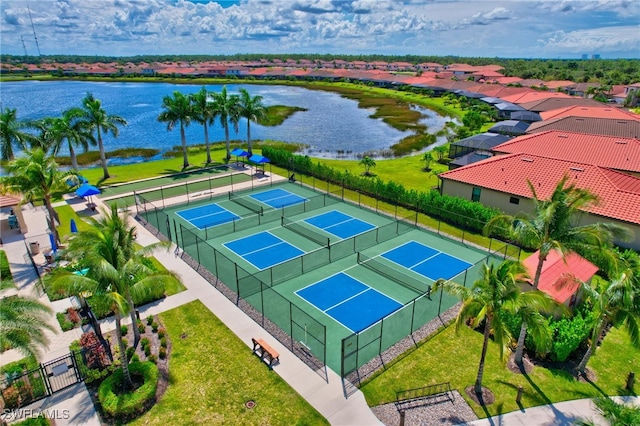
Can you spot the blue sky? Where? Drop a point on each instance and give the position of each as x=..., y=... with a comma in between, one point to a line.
x=508, y=28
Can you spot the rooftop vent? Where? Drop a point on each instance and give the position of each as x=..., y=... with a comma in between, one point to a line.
x=577, y=169
x=621, y=142
x=528, y=160
x=563, y=136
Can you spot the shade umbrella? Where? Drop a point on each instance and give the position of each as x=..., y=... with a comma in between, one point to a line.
x=259, y=159
x=86, y=190
x=239, y=152
x=52, y=240
x=73, y=226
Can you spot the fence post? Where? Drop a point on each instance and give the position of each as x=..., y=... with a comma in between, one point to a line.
x=402, y=417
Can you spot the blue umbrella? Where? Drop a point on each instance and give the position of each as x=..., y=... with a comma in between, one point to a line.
x=86, y=190
x=52, y=240
x=259, y=159
x=73, y=226
x=239, y=152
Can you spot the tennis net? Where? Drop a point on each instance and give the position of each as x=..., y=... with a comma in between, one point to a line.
x=393, y=274
x=245, y=202
x=309, y=234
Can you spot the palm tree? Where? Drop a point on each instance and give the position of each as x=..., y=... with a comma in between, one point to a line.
x=70, y=127
x=97, y=119
x=427, y=157
x=37, y=177
x=177, y=109
x=495, y=293
x=228, y=109
x=614, y=303
x=117, y=272
x=616, y=413
x=204, y=112
x=553, y=225
x=12, y=134
x=252, y=109
x=368, y=163
x=23, y=322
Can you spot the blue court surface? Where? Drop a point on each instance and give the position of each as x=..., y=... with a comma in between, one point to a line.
x=426, y=261
x=277, y=198
x=263, y=250
x=349, y=301
x=208, y=215
x=339, y=224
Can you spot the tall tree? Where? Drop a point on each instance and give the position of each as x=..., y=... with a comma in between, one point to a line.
x=228, y=110
x=12, y=134
x=37, y=177
x=615, y=303
x=97, y=119
x=252, y=109
x=117, y=272
x=204, y=112
x=178, y=109
x=554, y=224
x=23, y=322
x=70, y=127
x=498, y=291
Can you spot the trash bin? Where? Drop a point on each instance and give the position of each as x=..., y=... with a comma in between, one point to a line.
x=35, y=247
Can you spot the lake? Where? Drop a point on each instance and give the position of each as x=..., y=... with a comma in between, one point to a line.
x=332, y=126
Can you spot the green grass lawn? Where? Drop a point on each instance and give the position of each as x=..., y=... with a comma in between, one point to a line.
x=451, y=357
x=212, y=374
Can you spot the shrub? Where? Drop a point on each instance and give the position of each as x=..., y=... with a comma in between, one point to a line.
x=95, y=353
x=147, y=350
x=144, y=342
x=124, y=330
x=130, y=351
x=163, y=342
x=149, y=320
x=153, y=359
x=161, y=332
x=154, y=327
x=65, y=324
x=73, y=316
x=141, y=327
x=162, y=353
x=135, y=358
x=130, y=404
x=569, y=333
x=125, y=342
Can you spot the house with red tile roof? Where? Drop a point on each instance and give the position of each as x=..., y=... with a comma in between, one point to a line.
x=548, y=104
x=503, y=182
x=561, y=278
x=532, y=96
x=621, y=154
x=593, y=126
x=598, y=111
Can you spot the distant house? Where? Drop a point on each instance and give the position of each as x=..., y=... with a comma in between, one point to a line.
x=597, y=111
x=594, y=126
x=561, y=278
x=558, y=102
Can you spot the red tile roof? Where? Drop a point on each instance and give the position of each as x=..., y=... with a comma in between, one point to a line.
x=548, y=104
x=589, y=111
x=560, y=278
x=618, y=192
x=533, y=96
x=604, y=151
x=595, y=126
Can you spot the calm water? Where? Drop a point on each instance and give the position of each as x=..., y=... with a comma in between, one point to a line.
x=332, y=126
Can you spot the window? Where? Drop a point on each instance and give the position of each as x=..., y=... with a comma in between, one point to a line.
x=514, y=200
x=475, y=194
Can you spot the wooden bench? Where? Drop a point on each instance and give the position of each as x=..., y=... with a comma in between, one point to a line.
x=265, y=352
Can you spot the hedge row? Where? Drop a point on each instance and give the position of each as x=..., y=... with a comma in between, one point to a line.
x=463, y=214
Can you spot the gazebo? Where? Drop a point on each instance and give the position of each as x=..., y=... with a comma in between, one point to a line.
x=259, y=160
x=239, y=152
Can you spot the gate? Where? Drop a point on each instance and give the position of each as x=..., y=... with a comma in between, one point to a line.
x=61, y=373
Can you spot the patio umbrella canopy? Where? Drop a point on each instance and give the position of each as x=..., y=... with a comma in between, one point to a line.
x=87, y=190
x=259, y=159
x=239, y=152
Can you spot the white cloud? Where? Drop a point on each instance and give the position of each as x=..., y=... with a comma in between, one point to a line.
x=479, y=27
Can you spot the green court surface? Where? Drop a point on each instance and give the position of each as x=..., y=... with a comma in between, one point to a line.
x=233, y=252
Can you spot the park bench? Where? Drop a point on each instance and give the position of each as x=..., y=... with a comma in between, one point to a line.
x=265, y=352
x=412, y=398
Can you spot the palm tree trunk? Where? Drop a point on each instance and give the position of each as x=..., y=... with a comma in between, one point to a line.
x=74, y=160
x=249, y=137
x=126, y=375
x=485, y=345
x=523, y=329
x=134, y=323
x=53, y=217
x=103, y=157
x=183, y=137
x=594, y=343
x=228, y=143
x=206, y=142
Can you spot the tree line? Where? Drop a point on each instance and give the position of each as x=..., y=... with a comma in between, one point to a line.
x=603, y=71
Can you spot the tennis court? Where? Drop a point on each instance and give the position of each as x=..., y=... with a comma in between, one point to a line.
x=349, y=301
x=278, y=198
x=339, y=224
x=208, y=215
x=263, y=250
x=426, y=261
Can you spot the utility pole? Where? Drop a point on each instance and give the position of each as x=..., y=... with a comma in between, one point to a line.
x=23, y=46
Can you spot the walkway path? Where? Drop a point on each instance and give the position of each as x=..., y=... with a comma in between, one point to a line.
x=74, y=407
